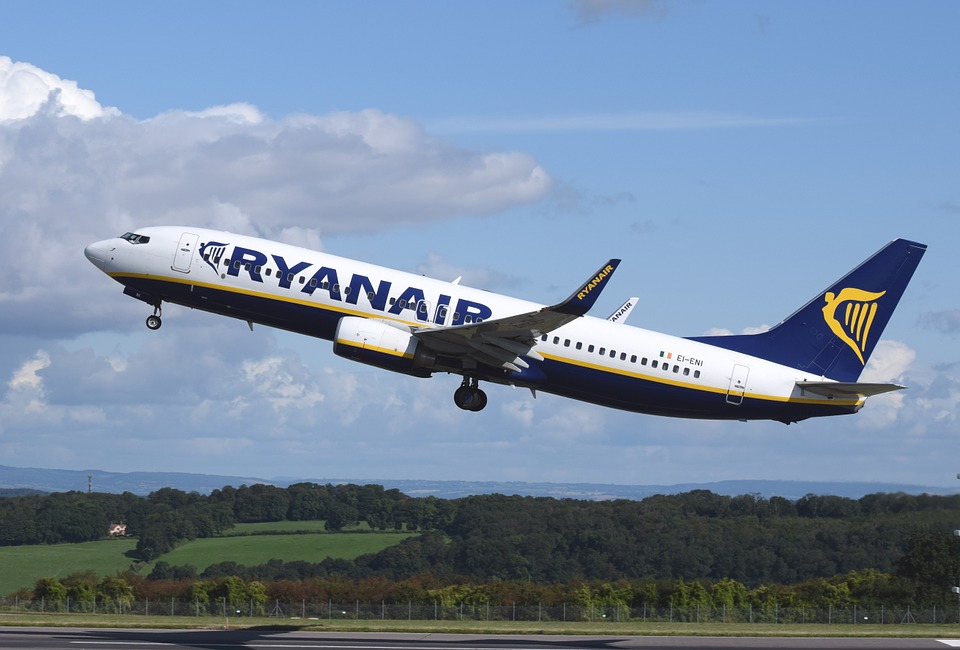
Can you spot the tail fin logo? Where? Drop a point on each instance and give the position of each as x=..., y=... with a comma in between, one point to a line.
x=852, y=323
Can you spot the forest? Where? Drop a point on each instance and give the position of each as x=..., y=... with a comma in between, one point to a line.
x=896, y=545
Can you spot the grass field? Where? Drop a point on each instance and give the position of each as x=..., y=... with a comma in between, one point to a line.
x=486, y=627
x=257, y=549
x=22, y=566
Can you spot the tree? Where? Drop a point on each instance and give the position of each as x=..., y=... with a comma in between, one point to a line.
x=50, y=590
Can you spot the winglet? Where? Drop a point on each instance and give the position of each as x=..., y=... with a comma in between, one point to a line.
x=621, y=315
x=581, y=300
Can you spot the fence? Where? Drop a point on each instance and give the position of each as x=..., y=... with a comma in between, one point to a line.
x=852, y=615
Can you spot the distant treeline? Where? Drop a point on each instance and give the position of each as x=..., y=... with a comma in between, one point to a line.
x=694, y=536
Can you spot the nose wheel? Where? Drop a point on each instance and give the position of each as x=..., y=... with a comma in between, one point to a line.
x=469, y=397
x=153, y=321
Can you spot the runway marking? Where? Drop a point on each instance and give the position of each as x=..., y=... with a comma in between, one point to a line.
x=953, y=643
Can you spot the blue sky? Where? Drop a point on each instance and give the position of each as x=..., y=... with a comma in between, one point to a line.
x=738, y=156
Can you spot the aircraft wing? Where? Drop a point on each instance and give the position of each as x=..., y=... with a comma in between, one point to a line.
x=831, y=389
x=501, y=342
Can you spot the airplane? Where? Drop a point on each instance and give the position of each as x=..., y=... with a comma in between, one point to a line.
x=806, y=366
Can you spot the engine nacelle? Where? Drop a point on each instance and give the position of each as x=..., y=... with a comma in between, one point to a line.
x=379, y=344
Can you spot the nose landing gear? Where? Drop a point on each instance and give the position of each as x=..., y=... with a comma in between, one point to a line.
x=153, y=321
x=469, y=397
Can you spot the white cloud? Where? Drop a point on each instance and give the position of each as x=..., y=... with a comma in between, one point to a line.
x=26, y=90
x=27, y=391
x=65, y=182
x=890, y=359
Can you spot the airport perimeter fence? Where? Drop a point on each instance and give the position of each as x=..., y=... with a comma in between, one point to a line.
x=331, y=611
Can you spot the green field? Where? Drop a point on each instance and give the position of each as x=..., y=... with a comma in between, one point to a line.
x=21, y=566
x=257, y=549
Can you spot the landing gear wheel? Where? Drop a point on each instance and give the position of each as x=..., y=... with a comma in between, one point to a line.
x=469, y=397
x=154, y=322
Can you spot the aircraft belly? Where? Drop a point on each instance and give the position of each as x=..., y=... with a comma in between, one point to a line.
x=646, y=395
x=301, y=319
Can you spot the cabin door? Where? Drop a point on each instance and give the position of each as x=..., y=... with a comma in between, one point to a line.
x=181, y=261
x=738, y=384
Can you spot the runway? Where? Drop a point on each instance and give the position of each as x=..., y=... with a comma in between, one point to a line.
x=24, y=638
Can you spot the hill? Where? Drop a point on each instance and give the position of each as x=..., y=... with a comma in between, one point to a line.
x=143, y=483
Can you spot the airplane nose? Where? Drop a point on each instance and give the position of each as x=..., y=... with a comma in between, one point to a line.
x=98, y=254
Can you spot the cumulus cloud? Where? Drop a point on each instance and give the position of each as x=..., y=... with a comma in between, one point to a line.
x=26, y=90
x=72, y=172
x=26, y=385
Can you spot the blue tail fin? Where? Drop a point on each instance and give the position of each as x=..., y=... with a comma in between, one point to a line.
x=833, y=335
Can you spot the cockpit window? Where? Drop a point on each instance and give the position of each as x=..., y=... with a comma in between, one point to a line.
x=134, y=238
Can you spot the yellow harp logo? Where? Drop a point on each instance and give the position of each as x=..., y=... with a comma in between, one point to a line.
x=852, y=323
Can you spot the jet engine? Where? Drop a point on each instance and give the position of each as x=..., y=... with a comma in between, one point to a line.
x=383, y=345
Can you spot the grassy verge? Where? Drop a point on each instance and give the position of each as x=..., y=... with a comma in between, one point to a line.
x=484, y=627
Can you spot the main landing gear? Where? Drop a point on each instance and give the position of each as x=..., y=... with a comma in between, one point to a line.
x=469, y=397
x=153, y=321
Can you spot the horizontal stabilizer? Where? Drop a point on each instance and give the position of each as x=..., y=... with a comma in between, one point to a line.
x=832, y=389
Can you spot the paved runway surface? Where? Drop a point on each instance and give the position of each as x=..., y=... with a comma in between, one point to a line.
x=117, y=639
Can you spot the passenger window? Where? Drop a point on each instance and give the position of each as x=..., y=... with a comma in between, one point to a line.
x=579, y=345
x=246, y=267
x=346, y=291
x=696, y=374
x=556, y=340
x=633, y=358
x=603, y=351
x=289, y=277
x=402, y=303
x=590, y=348
x=370, y=295
x=653, y=364
x=326, y=285
x=544, y=338
x=336, y=288
x=643, y=361
x=566, y=343
x=613, y=354
x=623, y=356
x=236, y=264
x=313, y=282
x=686, y=371
x=676, y=369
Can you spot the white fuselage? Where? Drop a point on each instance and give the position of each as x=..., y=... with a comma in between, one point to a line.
x=590, y=359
